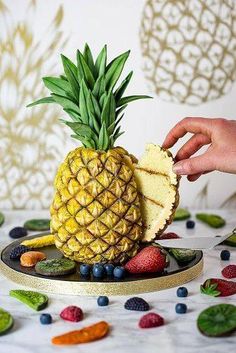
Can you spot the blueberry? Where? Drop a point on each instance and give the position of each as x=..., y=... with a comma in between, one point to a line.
x=98, y=271
x=84, y=269
x=109, y=268
x=190, y=224
x=45, y=319
x=103, y=300
x=119, y=272
x=18, y=232
x=182, y=292
x=225, y=255
x=181, y=308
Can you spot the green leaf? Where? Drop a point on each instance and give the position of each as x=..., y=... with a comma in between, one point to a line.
x=92, y=108
x=73, y=114
x=114, y=69
x=88, y=57
x=102, y=99
x=57, y=85
x=120, y=110
x=84, y=72
x=41, y=101
x=100, y=64
x=80, y=129
x=109, y=110
x=71, y=74
x=129, y=99
x=65, y=102
x=99, y=87
x=121, y=89
x=87, y=143
x=83, y=102
x=103, y=141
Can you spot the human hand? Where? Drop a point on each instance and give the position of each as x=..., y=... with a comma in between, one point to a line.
x=219, y=134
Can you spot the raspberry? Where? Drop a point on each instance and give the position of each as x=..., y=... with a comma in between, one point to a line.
x=136, y=303
x=151, y=320
x=72, y=313
x=19, y=250
x=169, y=235
x=229, y=271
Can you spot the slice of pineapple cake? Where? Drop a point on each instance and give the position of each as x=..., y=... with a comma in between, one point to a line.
x=158, y=188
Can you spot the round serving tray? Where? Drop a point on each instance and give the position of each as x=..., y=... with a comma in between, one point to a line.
x=174, y=275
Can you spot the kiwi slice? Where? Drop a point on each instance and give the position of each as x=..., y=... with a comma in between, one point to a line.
x=55, y=267
x=37, y=224
x=181, y=214
x=2, y=218
x=6, y=321
x=217, y=320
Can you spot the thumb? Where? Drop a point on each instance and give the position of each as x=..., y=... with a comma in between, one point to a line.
x=195, y=165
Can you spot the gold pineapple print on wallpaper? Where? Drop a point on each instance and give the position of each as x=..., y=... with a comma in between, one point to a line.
x=189, y=48
x=30, y=144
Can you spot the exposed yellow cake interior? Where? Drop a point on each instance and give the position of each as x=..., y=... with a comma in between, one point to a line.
x=158, y=187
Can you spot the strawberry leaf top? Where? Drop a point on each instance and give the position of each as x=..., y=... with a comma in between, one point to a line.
x=210, y=288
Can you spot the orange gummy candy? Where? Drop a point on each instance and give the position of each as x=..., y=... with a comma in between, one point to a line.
x=30, y=258
x=85, y=335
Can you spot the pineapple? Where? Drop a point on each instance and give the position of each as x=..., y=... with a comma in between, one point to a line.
x=95, y=213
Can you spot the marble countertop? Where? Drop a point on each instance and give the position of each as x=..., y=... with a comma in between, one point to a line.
x=179, y=334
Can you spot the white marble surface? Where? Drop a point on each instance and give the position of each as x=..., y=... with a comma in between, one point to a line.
x=179, y=334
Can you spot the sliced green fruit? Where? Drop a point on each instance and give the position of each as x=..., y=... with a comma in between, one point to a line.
x=2, y=218
x=55, y=267
x=37, y=224
x=34, y=300
x=212, y=220
x=231, y=241
x=183, y=255
x=6, y=321
x=181, y=214
x=217, y=320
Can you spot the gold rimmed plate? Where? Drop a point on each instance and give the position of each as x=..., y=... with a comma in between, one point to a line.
x=75, y=284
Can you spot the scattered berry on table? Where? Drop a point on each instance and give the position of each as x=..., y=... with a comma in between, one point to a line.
x=229, y=271
x=72, y=313
x=109, y=268
x=182, y=292
x=45, y=319
x=151, y=320
x=136, y=303
x=16, y=252
x=119, y=272
x=218, y=287
x=169, y=235
x=181, y=308
x=225, y=255
x=98, y=271
x=190, y=224
x=103, y=300
x=85, y=269
x=18, y=232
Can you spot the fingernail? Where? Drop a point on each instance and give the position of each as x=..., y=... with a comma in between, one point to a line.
x=178, y=168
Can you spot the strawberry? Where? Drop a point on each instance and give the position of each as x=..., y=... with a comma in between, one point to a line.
x=229, y=271
x=149, y=259
x=218, y=287
x=169, y=235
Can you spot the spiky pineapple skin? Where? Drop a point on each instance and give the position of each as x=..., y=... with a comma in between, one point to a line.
x=95, y=213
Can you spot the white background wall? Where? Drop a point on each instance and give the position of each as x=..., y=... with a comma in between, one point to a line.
x=117, y=23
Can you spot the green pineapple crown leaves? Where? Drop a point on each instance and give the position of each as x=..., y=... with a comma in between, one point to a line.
x=87, y=93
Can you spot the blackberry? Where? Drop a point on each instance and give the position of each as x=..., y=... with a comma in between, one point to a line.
x=18, y=232
x=136, y=303
x=16, y=252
